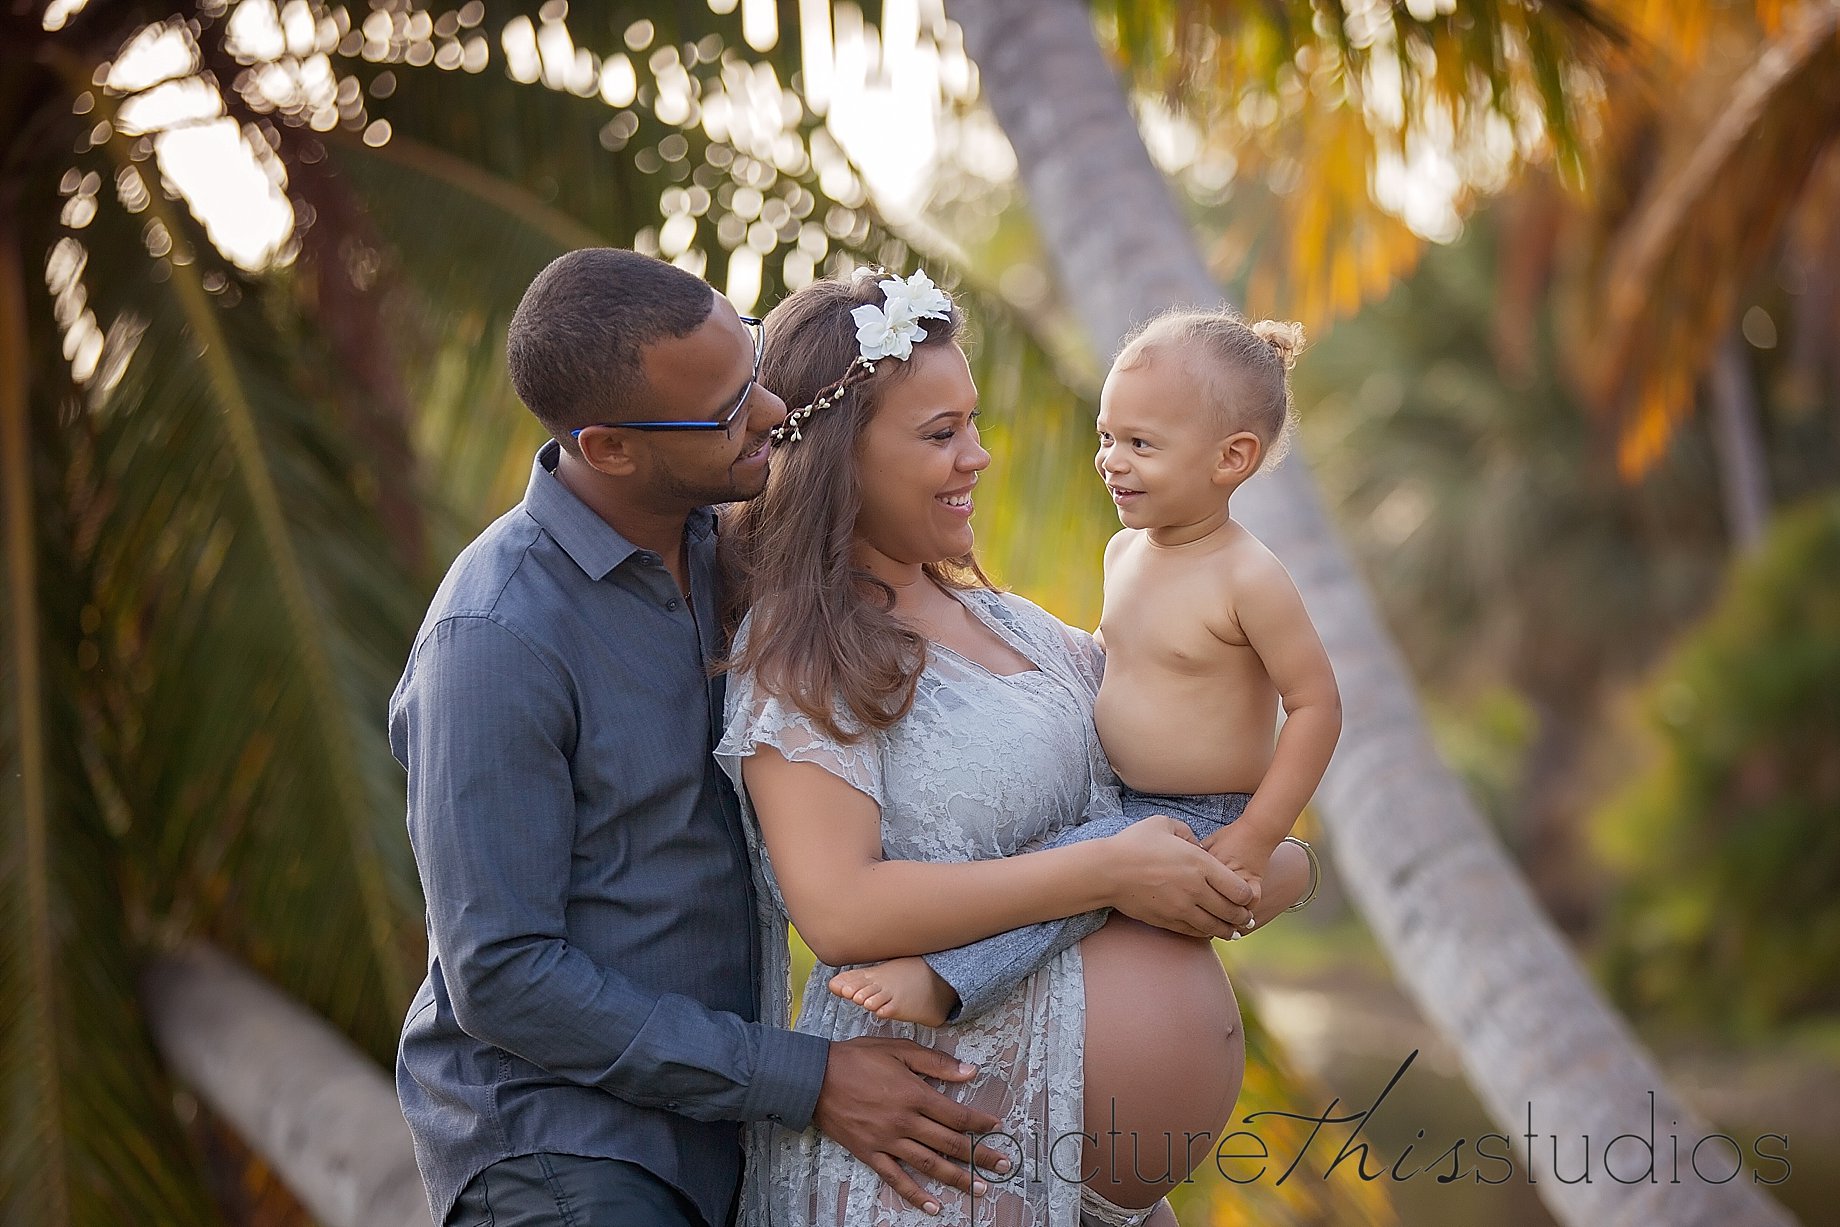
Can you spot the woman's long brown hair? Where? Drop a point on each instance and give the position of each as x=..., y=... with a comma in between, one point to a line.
x=823, y=635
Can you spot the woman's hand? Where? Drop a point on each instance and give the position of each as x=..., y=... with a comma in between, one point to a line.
x=1161, y=876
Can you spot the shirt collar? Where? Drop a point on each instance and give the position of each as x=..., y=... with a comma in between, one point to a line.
x=596, y=547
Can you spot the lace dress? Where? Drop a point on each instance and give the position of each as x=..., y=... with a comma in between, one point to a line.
x=983, y=766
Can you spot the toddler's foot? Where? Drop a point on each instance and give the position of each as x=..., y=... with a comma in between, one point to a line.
x=900, y=990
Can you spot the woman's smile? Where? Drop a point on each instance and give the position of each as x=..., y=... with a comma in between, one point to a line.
x=920, y=458
x=959, y=500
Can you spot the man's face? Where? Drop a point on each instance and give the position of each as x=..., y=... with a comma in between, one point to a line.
x=700, y=377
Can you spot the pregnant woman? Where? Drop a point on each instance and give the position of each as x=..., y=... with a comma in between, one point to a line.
x=905, y=735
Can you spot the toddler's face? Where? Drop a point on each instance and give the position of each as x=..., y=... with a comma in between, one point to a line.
x=1157, y=447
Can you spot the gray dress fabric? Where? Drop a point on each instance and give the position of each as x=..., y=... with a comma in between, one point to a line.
x=983, y=766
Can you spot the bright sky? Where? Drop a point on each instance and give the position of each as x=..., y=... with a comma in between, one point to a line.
x=885, y=95
x=869, y=85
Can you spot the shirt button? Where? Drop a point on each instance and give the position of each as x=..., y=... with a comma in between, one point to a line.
x=673, y=603
x=672, y=1105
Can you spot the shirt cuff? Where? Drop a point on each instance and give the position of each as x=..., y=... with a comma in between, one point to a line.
x=788, y=1074
x=953, y=972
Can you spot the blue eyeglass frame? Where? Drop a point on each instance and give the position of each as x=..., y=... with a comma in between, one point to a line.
x=722, y=423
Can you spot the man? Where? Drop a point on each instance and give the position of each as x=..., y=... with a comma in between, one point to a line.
x=584, y=1047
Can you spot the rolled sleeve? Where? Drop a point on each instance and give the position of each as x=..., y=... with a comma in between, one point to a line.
x=788, y=1075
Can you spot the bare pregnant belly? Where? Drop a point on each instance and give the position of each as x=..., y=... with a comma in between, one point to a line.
x=1164, y=1058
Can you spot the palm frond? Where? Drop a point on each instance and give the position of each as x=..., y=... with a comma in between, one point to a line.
x=256, y=761
x=1313, y=120
x=1482, y=505
x=519, y=172
x=247, y=617
x=231, y=391
x=1699, y=232
x=89, y=1135
x=29, y=994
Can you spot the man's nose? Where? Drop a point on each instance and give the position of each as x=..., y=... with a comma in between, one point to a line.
x=765, y=410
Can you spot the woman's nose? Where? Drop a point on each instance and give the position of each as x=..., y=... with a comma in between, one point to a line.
x=974, y=459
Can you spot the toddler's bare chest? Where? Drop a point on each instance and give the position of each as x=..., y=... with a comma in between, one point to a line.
x=1172, y=618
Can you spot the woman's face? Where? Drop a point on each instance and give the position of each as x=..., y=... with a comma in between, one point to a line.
x=917, y=461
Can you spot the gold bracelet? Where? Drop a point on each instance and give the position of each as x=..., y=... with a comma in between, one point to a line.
x=1315, y=872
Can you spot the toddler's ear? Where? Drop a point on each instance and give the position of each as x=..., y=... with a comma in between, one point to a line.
x=1240, y=454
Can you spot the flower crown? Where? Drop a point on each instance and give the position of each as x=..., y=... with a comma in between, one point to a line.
x=887, y=331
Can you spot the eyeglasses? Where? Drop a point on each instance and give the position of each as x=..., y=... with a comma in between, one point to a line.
x=722, y=423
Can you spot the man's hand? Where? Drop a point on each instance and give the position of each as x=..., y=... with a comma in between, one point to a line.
x=1173, y=883
x=876, y=1104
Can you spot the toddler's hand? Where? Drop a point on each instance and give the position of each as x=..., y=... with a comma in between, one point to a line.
x=1173, y=883
x=1242, y=856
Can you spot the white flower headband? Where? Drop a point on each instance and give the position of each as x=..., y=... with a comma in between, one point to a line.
x=887, y=331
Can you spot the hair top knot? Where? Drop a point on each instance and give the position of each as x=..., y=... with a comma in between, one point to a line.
x=1284, y=337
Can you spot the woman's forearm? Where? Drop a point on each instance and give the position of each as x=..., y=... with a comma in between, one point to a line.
x=886, y=909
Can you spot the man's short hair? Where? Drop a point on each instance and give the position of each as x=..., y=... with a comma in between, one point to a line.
x=574, y=342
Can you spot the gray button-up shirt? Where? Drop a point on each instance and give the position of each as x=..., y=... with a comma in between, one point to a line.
x=592, y=954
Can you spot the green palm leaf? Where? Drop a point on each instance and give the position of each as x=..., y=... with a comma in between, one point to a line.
x=89, y=1133
x=256, y=609
x=29, y=996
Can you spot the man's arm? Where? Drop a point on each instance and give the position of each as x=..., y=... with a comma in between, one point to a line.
x=485, y=729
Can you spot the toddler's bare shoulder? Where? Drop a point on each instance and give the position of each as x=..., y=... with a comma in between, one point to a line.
x=1247, y=562
x=1120, y=542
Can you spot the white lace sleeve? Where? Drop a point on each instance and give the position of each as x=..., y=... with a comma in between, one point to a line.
x=756, y=718
x=1088, y=656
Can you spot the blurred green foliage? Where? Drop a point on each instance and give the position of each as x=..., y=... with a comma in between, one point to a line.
x=1485, y=739
x=1728, y=847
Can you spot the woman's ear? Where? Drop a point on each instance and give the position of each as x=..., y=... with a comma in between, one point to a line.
x=1240, y=454
x=607, y=450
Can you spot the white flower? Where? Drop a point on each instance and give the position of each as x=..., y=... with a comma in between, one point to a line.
x=916, y=298
x=881, y=334
x=889, y=331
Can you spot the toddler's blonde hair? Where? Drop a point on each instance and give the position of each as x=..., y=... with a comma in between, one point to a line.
x=1241, y=368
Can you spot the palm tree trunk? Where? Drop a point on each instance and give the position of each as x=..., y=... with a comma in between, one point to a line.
x=1543, y=1050
x=316, y=1109
x=1737, y=437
